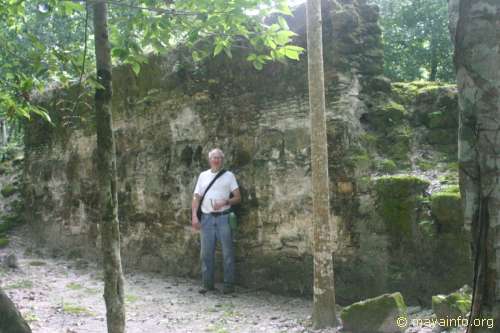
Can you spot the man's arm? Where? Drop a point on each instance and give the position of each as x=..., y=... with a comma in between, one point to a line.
x=236, y=199
x=194, y=208
x=232, y=201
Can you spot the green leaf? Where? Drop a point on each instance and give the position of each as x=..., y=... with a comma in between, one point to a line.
x=283, y=37
x=120, y=53
x=136, y=67
x=42, y=113
x=258, y=66
x=218, y=49
x=251, y=57
x=292, y=52
x=284, y=9
x=69, y=7
x=282, y=22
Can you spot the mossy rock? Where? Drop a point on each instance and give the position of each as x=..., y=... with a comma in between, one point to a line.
x=386, y=166
x=446, y=207
x=5, y=226
x=8, y=221
x=408, y=91
x=388, y=115
x=375, y=315
x=397, y=199
x=400, y=185
x=454, y=305
x=8, y=190
x=425, y=165
x=399, y=147
x=442, y=119
x=431, y=92
x=441, y=136
x=3, y=242
x=379, y=83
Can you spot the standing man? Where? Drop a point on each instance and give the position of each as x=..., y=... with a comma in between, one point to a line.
x=214, y=222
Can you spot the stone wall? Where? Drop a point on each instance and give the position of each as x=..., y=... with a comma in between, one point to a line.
x=169, y=116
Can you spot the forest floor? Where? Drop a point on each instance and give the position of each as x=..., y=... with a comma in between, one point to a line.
x=58, y=295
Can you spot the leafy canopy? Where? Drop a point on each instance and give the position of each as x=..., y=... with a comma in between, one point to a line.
x=50, y=42
x=416, y=40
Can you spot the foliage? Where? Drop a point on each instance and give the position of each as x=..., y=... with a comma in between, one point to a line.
x=47, y=43
x=416, y=40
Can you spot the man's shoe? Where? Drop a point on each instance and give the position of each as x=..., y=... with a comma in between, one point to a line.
x=204, y=290
x=227, y=290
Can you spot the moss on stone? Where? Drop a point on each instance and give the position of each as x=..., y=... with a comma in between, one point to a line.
x=5, y=226
x=425, y=165
x=386, y=166
x=397, y=146
x=431, y=86
x=400, y=185
x=8, y=221
x=442, y=119
x=388, y=115
x=358, y=157
x=8, y=190
x=454, y=305
x=3, y=242
x=427, y=228
x=374, y=315
x=397, y=200
x=442, y=136
x=451, y=189
x=408, y=91
x=446, y=208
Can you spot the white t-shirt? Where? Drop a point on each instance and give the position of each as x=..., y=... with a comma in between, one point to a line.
x=219, y=190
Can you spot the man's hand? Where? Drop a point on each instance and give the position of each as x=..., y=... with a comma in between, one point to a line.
x=220, y=203
x=195, y=223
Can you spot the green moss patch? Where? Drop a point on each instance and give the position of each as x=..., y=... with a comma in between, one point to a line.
x=22, y=284
x=447, y=209
x=454, y=305
x=8, y=190
x=76, y=309
x=129, y=298
x=4, y=242
x=74, y=286
x=397, y=199
x=387, y=115
x=386, y=166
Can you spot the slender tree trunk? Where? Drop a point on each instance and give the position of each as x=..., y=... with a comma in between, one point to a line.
x=434, y=60
x=324, y=291
x=106, y=162
x=4, y=132
x=477, y=61
x=11, y=320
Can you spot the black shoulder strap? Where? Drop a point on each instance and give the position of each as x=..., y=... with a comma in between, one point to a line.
x=211, y=183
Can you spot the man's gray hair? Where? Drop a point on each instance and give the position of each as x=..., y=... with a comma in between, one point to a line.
x=215, y=151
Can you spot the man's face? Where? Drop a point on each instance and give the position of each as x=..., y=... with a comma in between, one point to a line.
x=215, y=161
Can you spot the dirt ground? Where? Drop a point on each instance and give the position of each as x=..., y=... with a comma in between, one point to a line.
x=57, y=295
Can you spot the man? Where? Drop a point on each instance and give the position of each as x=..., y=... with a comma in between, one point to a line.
x=214, y=222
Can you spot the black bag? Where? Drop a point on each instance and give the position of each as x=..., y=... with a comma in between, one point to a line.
x=198, y=212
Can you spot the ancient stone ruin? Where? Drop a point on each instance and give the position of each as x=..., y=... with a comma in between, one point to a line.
x=392, y=166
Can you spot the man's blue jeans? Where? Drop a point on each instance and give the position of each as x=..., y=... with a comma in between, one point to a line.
x=215, y=228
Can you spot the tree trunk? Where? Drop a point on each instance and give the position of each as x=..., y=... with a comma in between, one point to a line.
x=477, y=61
x=324, y=291
x=106, y=163
x=434, y=59
x=11, y=320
